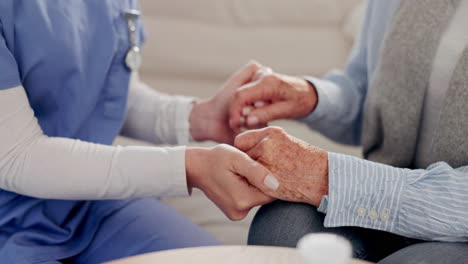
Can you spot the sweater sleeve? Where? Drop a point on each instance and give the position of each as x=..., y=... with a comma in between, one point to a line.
x=341, y=95
x=156, y=117
x=36, y=165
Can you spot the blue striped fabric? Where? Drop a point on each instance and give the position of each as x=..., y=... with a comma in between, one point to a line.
x=427, y=204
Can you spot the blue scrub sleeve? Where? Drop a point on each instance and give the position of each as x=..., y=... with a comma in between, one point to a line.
x=9, y=75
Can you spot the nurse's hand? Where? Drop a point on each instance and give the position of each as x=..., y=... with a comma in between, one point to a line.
x=221, y=172
x=209, y=119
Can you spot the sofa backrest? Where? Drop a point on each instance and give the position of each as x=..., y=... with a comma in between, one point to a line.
x=193, y=46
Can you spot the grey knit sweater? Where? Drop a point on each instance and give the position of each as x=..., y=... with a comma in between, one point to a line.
x=394, y=107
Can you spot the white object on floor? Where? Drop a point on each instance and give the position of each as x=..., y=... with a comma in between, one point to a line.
x=324, y=248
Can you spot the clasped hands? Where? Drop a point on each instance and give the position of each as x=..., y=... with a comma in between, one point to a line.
x=265, y=163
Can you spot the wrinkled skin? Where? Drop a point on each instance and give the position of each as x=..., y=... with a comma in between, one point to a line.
x=283, y=96
x=301, y=169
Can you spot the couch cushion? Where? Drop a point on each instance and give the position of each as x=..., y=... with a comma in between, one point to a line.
x=353, y=23
x=252, y=13
x=180, y=49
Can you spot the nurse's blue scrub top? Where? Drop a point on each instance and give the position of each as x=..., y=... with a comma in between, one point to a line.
x=69, y=56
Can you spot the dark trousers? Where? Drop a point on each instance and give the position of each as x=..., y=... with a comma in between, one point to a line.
x=284, y=223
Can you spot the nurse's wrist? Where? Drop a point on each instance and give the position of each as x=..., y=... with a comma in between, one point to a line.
x=194, y=158
x=199, y=120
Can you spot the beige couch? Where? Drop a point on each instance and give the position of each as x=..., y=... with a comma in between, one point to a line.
x=193, y=46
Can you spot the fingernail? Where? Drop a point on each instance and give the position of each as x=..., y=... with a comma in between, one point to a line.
x=259, y=104
x=252, y=121
x=271, y=182
x=246, y=111
x=242, y=120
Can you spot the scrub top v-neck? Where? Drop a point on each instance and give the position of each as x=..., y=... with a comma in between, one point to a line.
x=70, y=58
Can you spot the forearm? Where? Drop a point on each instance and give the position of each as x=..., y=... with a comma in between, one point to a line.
x=341, y=95
x=156, y=117
x=35, y=165
x=337, y=114
x=425, y=204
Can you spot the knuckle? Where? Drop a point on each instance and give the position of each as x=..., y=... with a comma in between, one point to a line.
x=223, y=146
x=276, y=130
x=272, y=79
x=264, y=144
x=253, y=62
x=221, y=149
x=266, y=149
x=240, y=97
x=254, y=65
x=282, y=134
x=239, y=159
x=238, y=140
x=242, y=139
x=217, y=148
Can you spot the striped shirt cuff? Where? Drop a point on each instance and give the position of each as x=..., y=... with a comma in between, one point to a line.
x=362, y=193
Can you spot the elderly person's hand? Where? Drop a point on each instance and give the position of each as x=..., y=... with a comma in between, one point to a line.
x=281, y=96
x=301, y=170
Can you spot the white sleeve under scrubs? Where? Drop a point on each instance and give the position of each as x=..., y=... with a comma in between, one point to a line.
x=64, y=97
